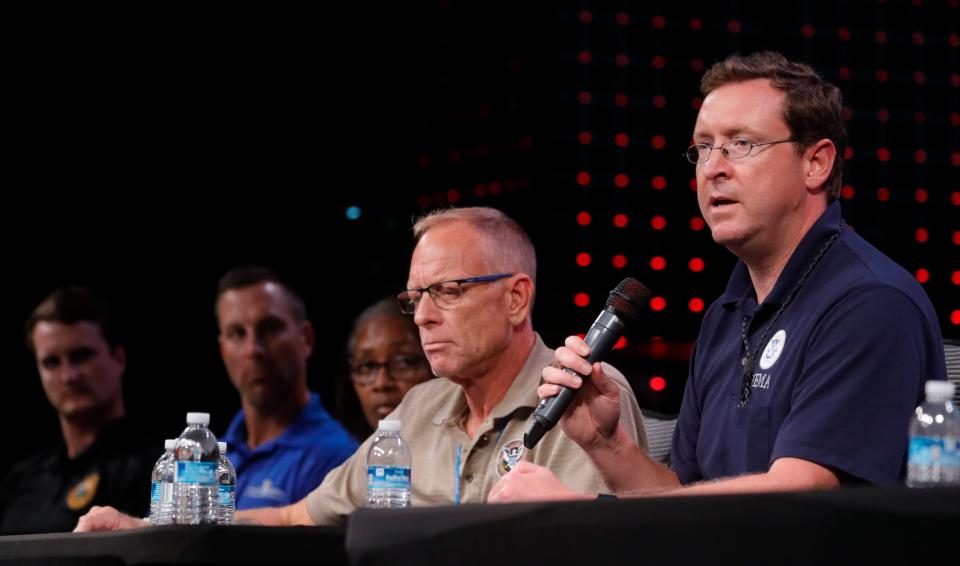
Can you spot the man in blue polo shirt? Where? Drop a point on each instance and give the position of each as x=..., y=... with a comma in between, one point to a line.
x=808, y=367
x=282, y=442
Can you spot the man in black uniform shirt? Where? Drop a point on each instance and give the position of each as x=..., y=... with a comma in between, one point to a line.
x=103, y=459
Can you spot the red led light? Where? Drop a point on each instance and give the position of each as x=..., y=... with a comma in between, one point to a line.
x=583, y=259
x=923, y=275
x=658, y=62
x=622, y=59
x=693, y=184
x=733, y=26
x=584, y=57
x=956, y=238
x=695, y=305
x=883, y=194
x=806, y=31
x=657, y=383
x=581, y=299
x=696, y=64
x=659, y=101
x=955, y=277
x=917, y=38
x=619, y=261
x=658, y=303
x=955, y=159
x=883, y=154
x=697, y=224
x=920, y=156
x=658, y=222
x=843, y=73
x=585, y=138
x=659, y=182
x=919, y=117
x=955, y=198
x=919, y=77
x=620, y=220
x=880, y=36
x=696, y=24
x=843, y=34
x=659, y=22
x=847, y=192
x=621, y=140
x=955, y=317
x=585, y=16
x=658, y=263
x=696, y=102
x=883, y=115
x=621, y=99
x=584, y=97
x=658, y=142
x=881, y=75
x=453, y=195
x=623, y=19
x=621, y=180
x=583, y=178
x=584, y=218
x=848, y=153
x=621, y=343
x=495, y=188
x=954, y=40
x=921, y=235
x=921, y=195
x=696, y=265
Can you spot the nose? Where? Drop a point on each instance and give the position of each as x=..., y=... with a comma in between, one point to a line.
x=716, y=166
x=383, y=381
x=70, y=373
x=252, y=345
x=426, y=311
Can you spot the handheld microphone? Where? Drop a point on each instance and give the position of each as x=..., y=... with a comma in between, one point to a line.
x=623, y=305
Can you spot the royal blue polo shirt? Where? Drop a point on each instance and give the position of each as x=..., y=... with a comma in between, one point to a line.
x=290, y=466
x=836, y=382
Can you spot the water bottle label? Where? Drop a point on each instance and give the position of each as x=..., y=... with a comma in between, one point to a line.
x=225, y=495
x=930, y=451
x=204, y=473
x=384, y=477
x=155, y=491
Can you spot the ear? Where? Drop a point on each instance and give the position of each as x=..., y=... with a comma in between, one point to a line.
x=309, y=337
x=119, y=354
x=818, y=164
x=520, y=298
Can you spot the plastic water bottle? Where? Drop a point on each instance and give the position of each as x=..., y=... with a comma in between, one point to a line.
x=195, y=476
x=161, y=489
x=934, y=455
x=388, y=468
x=227, y=487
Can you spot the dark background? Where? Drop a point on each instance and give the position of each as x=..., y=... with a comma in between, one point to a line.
x=149, y=152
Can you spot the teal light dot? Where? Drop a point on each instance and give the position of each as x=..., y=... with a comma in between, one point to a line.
x=353, y=212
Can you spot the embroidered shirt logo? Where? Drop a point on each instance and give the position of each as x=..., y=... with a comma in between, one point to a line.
x=773, y=350
x=265, y=490
x=510, y=454
x=82, y=494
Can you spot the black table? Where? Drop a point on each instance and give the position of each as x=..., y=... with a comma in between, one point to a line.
x=849, y=526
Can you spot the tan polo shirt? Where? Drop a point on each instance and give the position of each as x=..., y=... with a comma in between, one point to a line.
x=449, y=467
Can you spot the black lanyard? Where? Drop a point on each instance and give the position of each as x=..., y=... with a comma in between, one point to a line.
x=749, y=361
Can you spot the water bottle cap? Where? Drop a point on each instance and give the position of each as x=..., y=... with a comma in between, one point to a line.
x=389, y=426
x=222, y=446
x=938, y=390
x=198, y=418
x=170, y=444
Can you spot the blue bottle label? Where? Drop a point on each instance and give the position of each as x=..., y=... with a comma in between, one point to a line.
x=388, y=477
x=934, y=450
x=204, y=473
x=225, y=495
x=155, y=491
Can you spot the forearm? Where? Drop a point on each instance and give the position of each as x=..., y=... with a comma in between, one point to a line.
x=291, y=515
x=626, y=468
x=786, y=474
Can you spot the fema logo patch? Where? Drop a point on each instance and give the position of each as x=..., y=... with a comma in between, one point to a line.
x=773, y=350
x=82, y=494
x=510, y=454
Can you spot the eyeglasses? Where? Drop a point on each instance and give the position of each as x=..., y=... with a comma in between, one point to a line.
x=733, y=149
x=401, y=366
x=444, y=294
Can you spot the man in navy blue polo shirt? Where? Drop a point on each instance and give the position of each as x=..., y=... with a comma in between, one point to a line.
x=807, y=369
x=283, y=442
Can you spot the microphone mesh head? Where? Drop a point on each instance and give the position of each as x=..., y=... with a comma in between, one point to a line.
x=628, y=299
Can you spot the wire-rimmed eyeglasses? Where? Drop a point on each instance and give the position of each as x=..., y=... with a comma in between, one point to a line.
x=733, y=149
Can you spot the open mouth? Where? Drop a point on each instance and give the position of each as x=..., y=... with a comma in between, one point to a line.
x=720, y=202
